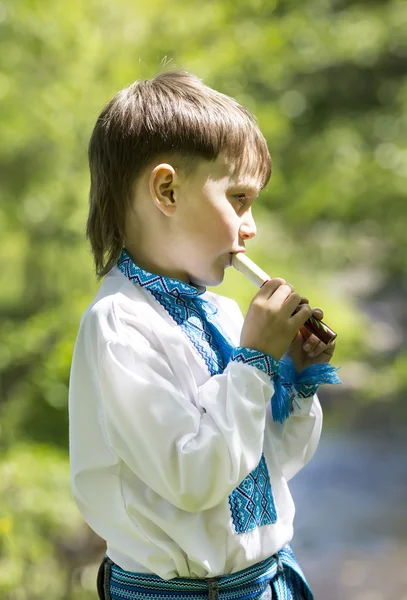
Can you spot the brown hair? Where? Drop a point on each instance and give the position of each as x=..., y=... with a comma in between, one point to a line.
x=172, y=114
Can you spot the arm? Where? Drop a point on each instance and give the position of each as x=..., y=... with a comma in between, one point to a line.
x=296, y=440
x=191, y=451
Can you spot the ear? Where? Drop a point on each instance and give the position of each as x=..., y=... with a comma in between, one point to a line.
x=162, y=184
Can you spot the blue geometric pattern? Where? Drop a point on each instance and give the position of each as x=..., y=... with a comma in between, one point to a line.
x=157, y=283
x=252, y=504
x=262, y=361
x=247, y=584
x=308, y=381
x=177, y=298
x=291, y=583
x=305, y=383
x=280, y=570
x=305, y=390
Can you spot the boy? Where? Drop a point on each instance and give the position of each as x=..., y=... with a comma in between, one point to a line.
x=179, y=457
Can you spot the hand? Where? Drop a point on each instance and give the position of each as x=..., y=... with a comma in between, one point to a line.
x=275, y=315
x=306, y=349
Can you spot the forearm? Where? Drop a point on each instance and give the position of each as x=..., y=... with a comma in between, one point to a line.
x=296, y=440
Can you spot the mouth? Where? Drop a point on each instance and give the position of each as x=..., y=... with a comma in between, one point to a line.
x=231, y=255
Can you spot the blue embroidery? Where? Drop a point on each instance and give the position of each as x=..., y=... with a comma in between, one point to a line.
x=305, y=390
x=261, y=361
x=281, y=571
x=177, y=299
x=308, y=381
x=158, y=283
x=252, y=503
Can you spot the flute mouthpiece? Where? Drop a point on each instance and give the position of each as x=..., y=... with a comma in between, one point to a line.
x=247, y=267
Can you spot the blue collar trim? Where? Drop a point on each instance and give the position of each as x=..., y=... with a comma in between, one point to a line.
x=154, y=282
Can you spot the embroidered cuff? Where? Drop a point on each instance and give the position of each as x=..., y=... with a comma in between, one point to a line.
x=264, y=362
x=305, y=385
x=305, y=390
x=308, y=381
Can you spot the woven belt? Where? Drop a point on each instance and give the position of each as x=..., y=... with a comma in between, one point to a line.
x=249, y=584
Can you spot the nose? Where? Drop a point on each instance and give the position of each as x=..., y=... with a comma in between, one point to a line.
x=247, y=229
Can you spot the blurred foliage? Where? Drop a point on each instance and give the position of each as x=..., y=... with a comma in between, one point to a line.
x=327, y=82
x=36, y=511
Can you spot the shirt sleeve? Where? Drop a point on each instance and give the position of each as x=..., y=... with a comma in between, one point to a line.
x=296, y=440
x=191, y=451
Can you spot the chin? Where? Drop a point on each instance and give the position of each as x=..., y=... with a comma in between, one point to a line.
x=209, y=281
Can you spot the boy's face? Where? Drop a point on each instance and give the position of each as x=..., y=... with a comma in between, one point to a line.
x=187, y=227
x=214, y=220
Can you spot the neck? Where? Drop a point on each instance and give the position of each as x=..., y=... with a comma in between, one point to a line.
x=159, y=266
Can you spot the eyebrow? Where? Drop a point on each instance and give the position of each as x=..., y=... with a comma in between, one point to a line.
x=252, y=189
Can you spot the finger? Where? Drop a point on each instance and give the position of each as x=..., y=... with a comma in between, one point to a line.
x=268, y=288
x=318, y=313
x=302, y=301
x=305, y=333
x=319, y=347
x=327, y=349
x=311, y=343
x=281, y=295
x=317, y=350
x=303, y=314
x=330, y=348
x=292, y=305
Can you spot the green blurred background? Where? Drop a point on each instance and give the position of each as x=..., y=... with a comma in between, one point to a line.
x=327, y=82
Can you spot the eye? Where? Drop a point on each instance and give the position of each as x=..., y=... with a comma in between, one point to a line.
x=241, y=198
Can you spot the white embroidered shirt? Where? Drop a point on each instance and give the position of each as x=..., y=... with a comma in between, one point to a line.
x=175, y=458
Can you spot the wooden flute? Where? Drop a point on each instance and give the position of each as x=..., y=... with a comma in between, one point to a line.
x=247, y=267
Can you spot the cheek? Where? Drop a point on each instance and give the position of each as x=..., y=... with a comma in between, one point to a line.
x=229, y=222
x=231, y=229
x=222, y=225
